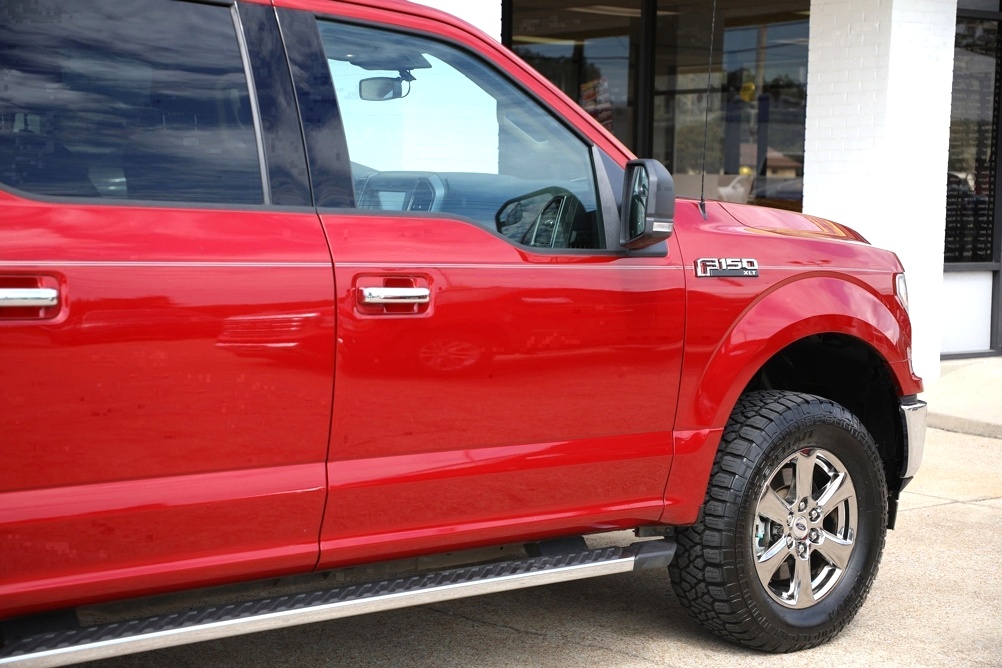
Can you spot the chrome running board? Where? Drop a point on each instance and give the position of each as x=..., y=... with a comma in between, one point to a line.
x=69, y=646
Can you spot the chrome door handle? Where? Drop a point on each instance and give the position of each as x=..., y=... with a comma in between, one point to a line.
x=28, y=297
x=396, y=295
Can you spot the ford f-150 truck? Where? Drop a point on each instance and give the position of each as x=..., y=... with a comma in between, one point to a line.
x=341, y=305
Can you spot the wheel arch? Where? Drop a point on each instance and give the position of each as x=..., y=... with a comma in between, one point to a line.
x=823, y=335
x=787, y=315
x=850, y=372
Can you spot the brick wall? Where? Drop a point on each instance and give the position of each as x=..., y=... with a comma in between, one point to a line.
x=879, y=85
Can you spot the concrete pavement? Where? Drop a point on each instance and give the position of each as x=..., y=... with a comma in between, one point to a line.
x=967, y=398
x=935, y=601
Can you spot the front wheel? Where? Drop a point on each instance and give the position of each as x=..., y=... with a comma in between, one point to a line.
x=792, y=528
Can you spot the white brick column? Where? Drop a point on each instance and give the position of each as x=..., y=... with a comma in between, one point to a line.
x=879, y=86
x=480, y=13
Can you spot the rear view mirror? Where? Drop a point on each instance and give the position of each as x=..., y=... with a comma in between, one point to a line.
x=375, y=89
x=648, y=204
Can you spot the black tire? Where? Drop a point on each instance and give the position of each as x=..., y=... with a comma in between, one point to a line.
x=721, y=571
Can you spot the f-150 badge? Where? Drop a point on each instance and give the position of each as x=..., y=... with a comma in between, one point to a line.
x=734, y=267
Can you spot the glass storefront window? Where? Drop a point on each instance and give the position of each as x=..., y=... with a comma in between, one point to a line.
x=589, y=51
x=971, y=171
x=754, y=115
x=756, y=108
x=978, y=5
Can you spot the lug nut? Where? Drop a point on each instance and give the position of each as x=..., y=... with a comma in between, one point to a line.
x=815, y=514
x=815, y=535
x=803, y=505
x=801, y=549
x=789, y=520
x=789, y=541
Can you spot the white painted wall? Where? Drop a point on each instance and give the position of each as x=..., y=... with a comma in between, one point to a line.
x=967, y=299
x=879, y=86
x=484, y=14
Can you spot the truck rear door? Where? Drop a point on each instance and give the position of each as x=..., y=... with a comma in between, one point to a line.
x=167, y=331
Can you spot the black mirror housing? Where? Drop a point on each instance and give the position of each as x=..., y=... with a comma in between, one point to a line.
x=648, y=214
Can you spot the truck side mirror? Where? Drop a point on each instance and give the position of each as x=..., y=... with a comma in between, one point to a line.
x=648, y=204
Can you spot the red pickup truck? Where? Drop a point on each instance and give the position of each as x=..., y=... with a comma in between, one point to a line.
x=302, y=287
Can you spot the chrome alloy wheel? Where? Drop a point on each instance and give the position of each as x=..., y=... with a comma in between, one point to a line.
x=806, y=522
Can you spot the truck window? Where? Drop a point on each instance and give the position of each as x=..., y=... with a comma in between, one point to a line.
x=140, y=100
x=431, y=128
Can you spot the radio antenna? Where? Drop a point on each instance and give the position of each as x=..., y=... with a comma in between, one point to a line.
x=706, y=115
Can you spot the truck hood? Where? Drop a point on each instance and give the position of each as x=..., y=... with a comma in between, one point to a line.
x=790, y=224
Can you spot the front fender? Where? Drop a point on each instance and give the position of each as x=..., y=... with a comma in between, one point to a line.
x=790, y=311
x=714, y=376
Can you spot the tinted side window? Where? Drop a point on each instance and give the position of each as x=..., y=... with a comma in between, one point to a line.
x=141, y=100
x=431, y=128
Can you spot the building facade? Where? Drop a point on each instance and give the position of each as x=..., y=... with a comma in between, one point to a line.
x=881, y=114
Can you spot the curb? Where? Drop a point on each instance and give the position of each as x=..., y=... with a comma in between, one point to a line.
x=967, y=397
x=964, y=426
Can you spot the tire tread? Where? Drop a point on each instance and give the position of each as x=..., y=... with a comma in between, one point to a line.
x=704, y=573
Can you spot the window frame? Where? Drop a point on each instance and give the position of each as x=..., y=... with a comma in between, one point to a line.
x=283, y=144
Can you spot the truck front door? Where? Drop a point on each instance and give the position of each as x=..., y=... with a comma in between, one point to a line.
x=502, y=369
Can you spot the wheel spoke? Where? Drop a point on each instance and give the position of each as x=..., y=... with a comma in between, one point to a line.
x=802, y=588
x=835, y=550
x=839, y=489
x=805, y=474
x=773, y=507
x=769, y=561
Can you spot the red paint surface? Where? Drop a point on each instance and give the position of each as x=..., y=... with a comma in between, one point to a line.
x=140, y=535
x=147, y=423
x=171, y=423
x=562, y=418
x=807, y=285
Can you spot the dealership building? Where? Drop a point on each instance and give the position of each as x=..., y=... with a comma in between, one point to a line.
x=880, y=114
